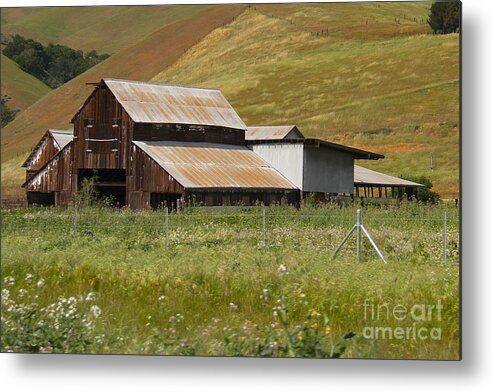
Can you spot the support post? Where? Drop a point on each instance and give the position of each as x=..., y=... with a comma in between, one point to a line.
x=358, y=227
x=75, y=220
x=358, y=233
x=166, y=227
x=263, y=224
x=445, y=237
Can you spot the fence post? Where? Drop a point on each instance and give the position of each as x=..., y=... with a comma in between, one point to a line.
x=166, y=226
x=75, y=220
x=358, y=233
x=263, y=224
x=445, y=237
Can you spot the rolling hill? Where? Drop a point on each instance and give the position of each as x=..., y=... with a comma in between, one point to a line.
x=89, y=28
x=366, y=74
x=394, y=93
x=23, y=88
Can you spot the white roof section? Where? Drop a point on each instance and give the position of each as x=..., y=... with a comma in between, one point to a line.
x=62, y=138
x=364, y=176
x=167, y=104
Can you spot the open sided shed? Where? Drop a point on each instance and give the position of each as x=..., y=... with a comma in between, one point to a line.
x=370, y=183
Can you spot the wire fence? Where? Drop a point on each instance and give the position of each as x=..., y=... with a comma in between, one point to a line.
x=430, y=234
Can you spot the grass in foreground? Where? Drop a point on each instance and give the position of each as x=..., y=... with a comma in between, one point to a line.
x=218, y=290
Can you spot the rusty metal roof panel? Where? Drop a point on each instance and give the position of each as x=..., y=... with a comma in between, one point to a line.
x=363, y=176
x=209, y=165
x=278, y=132
x=167, y=104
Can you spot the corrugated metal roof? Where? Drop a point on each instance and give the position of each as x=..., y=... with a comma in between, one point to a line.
x=209, y=165
x=269, y=132
x=62, y=138
x=363, y=176
x=166, y=104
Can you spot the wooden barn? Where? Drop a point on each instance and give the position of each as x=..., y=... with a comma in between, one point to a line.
x=145, y=145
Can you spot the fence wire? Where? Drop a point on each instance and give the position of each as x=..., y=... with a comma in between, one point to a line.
x=401, y=234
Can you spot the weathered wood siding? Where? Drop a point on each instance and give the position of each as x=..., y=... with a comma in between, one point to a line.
x=144, y=177
x=102, y=132
x=55, y=177
x=188, y=133
x=47, y=150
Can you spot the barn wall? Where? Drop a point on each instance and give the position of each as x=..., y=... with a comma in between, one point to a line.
x=47, y=150
x=144, y=177
x=242, y=197
x=285, y=158
x=102, y=130
x=56, y=177
x=188, y=133
x=327, y=170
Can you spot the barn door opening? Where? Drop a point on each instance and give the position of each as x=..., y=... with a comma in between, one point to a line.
x=106, y=184
x=40, y=199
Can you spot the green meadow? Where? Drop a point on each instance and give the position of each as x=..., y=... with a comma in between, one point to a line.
x=217, y=288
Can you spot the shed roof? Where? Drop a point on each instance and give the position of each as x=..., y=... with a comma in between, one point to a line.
x=208, y=165
x=275, y=132
x=62, y=138
x=168, y=104
x=364, y=176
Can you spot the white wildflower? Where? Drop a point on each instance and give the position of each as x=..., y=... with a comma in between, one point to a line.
x=91, y=296
x=160, y=298
x=282, y=268
x=40, y=283
x=233, y=306
x=28, y=277
x=95, y=311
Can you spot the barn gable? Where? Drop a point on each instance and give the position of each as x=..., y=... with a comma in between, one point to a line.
x=51, y=143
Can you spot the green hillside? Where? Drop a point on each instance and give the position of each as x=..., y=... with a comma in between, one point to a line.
x=23, y=88
x=106, y=29
x=394, y=93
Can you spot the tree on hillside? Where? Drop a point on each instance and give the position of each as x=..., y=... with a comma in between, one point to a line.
x=445, y=17
x=6, y=114
x=53, y=64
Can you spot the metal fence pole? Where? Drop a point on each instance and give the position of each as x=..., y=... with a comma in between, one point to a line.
x=166, y=226
x=358, y=233
x=263, y=224
x=75, y=220
x=445, y=237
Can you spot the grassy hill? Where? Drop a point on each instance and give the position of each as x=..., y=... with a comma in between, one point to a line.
x=365, y=74
x=395, y=92
x=23, y=88
x=103, y=28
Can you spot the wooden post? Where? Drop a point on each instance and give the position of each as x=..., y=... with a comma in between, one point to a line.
x=75, y=220
x=166, y=227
